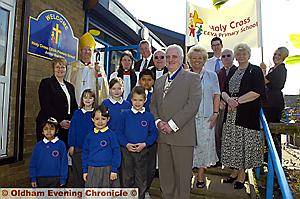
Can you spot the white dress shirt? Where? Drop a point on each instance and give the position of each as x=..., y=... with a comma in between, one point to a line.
x=210, y=63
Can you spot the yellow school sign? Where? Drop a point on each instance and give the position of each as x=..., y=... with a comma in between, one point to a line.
x=234, y=22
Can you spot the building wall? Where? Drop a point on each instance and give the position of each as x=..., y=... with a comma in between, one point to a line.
x=16, y=174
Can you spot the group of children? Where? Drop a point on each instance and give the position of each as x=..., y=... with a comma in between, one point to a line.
x=109, y=145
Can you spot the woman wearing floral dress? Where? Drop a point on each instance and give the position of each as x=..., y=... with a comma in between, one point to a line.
x=205, y=151
x=241, y=144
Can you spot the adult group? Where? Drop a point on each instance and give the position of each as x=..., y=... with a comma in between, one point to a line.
x=205, y=115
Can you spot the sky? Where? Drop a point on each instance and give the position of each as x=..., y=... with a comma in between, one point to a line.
x=279, y=20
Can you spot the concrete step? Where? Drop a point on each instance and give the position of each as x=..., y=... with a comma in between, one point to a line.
x=214, y=188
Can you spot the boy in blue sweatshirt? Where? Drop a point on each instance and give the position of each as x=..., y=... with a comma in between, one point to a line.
x=101, y=155
x=146, y=80
x=48, y=166
x=137, y=131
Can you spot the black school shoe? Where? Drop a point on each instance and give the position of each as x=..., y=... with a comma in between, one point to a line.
x=238, y=185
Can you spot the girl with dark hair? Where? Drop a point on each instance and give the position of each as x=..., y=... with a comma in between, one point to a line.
x=101, y=155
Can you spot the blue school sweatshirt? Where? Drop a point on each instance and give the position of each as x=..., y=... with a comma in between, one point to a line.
x=49, y=160
x=101, y=149
x=137, y=127
x=81, y=125
x=115, y=110
x=147, y=103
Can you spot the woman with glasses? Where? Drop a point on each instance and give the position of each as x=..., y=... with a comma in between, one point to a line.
x=159, y=60
x=241, y=143
x=57, y=100
x=275, y=80
x=205, y=151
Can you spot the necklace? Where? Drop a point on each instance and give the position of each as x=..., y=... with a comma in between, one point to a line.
x=85, y=74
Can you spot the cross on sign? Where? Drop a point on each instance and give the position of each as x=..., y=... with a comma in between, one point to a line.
x=57, y=32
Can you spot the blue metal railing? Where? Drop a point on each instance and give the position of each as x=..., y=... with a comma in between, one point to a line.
x=274, y=164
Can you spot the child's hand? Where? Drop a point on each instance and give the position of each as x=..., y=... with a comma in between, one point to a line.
x=71, y=150
x=131, y=147
x=33, y=184
x=113, y=176
x=85, y=177
x=140, y=146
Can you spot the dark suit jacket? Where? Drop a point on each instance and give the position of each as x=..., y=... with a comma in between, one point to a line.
x=137, y=65
x=53, y=101
x=223, y=78
x=153, y=69
x=277, y=78
x=248, y=113
x=180, y=104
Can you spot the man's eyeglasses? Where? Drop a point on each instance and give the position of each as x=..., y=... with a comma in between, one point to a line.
x=159, y=57
x=213, y=45
x=223, y=56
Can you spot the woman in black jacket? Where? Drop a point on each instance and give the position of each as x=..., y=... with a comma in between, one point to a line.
x=275, y=80
x=57, y=100
x=241, y=144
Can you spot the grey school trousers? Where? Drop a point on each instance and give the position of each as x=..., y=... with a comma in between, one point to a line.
x=134, y=170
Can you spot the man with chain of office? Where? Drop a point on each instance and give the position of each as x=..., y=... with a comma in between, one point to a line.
x=87, y=74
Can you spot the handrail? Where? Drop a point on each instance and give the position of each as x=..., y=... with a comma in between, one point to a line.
x=274, y=164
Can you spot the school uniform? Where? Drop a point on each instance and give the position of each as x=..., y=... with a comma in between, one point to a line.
x=49, y=163
x=81, y=125
x=148, y=99
x=100, y=156
x=136, y=127
x=152, y=150
x=115, y=109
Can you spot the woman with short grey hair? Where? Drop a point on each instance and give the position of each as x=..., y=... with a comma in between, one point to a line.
x=241, y=144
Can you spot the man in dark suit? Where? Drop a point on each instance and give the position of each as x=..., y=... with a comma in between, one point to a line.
x=147, y=59
x=159, y=59
x=175, y=102
x=227, y=61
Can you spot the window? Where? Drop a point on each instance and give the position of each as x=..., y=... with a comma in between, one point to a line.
x=7, y=9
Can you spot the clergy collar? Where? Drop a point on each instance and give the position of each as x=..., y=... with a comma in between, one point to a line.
x=84, y=111
x=103, y=130
x=160, y=69
x=136, y=111
x=53, y=141
x=115, y=101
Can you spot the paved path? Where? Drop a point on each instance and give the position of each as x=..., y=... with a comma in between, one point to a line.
x=214, y=189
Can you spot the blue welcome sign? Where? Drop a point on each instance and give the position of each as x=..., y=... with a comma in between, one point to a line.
x=50, y=35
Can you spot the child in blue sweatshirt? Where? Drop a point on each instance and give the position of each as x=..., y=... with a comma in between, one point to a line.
x=101, y=155
x=48, y=166
x=146, y=80
x=81, y=125
x=115, y=102
x=137, y=131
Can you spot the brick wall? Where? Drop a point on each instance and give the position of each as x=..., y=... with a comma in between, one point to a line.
x=16, y=174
